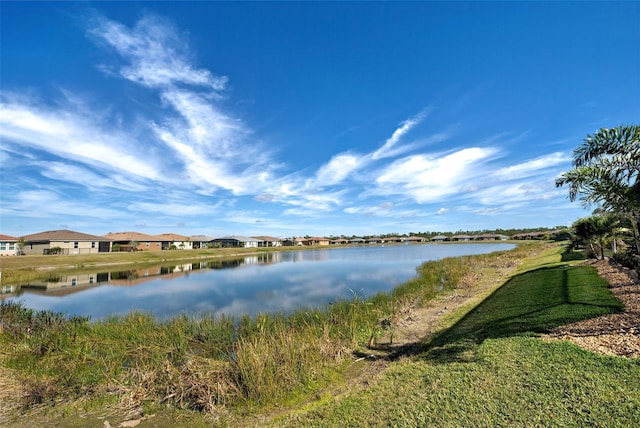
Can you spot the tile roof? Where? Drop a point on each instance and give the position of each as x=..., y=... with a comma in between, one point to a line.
x=267, y=238
x=172, y=237
x=201, y=238
x=63, y=235
x=238, y=238
x=131, y=236
x=7, y=238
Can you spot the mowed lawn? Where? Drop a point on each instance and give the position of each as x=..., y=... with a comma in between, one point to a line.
x=491, y=368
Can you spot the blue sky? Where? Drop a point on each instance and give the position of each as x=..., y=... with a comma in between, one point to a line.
x=304, y=118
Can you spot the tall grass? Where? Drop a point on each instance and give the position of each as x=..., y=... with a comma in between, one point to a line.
x=208, y=362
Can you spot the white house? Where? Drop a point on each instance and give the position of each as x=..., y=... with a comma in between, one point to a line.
x=9, y=245
x=238, y=241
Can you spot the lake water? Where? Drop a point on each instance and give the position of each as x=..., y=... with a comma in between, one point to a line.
x=267, y=282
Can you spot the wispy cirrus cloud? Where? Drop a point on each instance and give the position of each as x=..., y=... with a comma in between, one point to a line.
x=44, y=203
x=533, y=166
x=337, y=169
x=387, y=149
x=89, y=178
x=155, y=52
x=210, y=144
x=73, y=135
x=427, y=178
x=519, y=192
x=344, y=165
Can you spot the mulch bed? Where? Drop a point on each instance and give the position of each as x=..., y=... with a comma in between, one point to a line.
x=613, y=334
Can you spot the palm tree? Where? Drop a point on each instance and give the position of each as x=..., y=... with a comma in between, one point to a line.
x=607, y=173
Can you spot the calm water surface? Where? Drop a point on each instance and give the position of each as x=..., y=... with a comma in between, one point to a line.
x=269, y=282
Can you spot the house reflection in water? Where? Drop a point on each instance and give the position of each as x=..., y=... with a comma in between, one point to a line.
x=61, y=285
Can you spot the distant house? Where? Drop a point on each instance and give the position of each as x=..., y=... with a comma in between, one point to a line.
x=268, y=241
x=415, y=239
x=173, y=240
x=534, y=235
x=339, y=241
x=9, y=245
x=201, y=241
x=374, y=241
x=294, y=242
x=134, y=241
x=238, y=241
x=65, y=242
x=357, y=241
x=461, y=238
x=316, y=241
x=439, y=238
x=490, y=237
x=393, y=239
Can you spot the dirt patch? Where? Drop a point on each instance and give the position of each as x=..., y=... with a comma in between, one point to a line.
x=613, y=334
x=417, y=325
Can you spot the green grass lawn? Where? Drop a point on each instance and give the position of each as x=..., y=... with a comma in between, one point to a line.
x=489, y=369
x=530, y=303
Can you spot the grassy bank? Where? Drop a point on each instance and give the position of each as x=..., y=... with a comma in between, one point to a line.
x=489, y=368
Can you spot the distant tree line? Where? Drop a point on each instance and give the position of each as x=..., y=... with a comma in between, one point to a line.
x=430, y=234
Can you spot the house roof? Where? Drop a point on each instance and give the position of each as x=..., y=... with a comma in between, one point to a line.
x=172, y=237
x=238, y=238
x=201, y=238
x=6, y=238
x=439, y=238
x=131, y=236
x=267, y=238
x=63, y=235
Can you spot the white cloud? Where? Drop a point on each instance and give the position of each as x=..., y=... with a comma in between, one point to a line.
x=73, y=135
x=405, y=127
x=87, y=177
x=427, y=178
x=532, y=167
x=177, y=208
x=47, y=204
x=337, y=169
x=442, y=211
x=211, y=146
x=519, y=192
x=155, y=52
x=385, y=209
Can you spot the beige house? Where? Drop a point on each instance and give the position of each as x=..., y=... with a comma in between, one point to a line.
x=9, y=245
x=317, y=241
x=135, y=241
x=65, y=242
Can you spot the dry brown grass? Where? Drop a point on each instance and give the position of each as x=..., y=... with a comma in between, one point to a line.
x=11, y=393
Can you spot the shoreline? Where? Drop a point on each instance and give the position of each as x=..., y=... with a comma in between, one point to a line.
x=15, y=270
